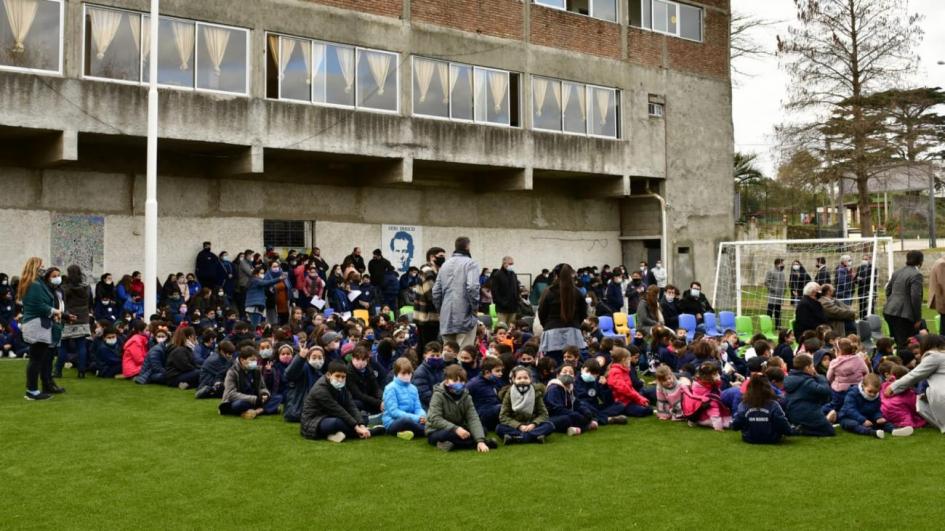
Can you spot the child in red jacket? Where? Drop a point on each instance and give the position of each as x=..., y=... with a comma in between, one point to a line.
x=135, y=350
x=626, y=398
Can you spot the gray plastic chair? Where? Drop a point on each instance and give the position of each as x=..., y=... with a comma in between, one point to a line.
x=876, y=325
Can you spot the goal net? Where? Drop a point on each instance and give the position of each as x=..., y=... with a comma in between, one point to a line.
x=743, y=284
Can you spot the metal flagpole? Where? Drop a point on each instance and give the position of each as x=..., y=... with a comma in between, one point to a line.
x=151, y=204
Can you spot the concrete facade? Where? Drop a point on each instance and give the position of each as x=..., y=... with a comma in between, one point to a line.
x=76, y=146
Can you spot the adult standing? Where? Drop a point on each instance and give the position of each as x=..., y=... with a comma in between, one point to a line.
x=77, y=296
x=208, y=268
x=810, y=313
x=937, y=291
x=229, y=275
x=425, y=315
x=644, y=275
x=865, y=282
x=505, y=290
x=378, y=268
x=903, y=309
x=844, y=278
x=40, y=325
x=355, y=260
x=541, y=283
x=931, y=404
x=320, y=262
x=775, y=284
x=561, y=311
x=613, y=295
x=244, y=273
x=823, y=274
x=658, y=276
x=456, y=295
x=799, y=278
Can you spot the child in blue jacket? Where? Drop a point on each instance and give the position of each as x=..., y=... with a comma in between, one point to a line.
x=108, y=354
x=403, y=414
x=594, y=396
x=759, y=416
x=484, y=390
x=429, y=373
x=807, y=392
x=861, y=413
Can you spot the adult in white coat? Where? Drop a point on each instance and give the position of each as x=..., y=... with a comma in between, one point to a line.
x=931, y=405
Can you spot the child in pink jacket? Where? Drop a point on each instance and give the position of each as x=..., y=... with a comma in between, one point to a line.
x=900, y=409
x=707, y=385
x=669, y=394
x=845, y=371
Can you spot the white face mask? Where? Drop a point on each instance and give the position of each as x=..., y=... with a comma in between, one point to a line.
x=316, y=363
x=589, y=300
x=404, y=378
x=670, y=297
x=55, y=281
x=796, y=267
x=695, y=292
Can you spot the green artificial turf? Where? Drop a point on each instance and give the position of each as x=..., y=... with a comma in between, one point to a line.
x=115, y=455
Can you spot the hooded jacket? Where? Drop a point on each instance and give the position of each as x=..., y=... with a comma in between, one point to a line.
x=448, y=412
x=900, y=410
x=806, y=395
x=621, y=385
x=858, y=407
x=846, y=371
x=133, y=355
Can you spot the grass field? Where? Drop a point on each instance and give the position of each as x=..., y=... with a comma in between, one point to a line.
x=112, y=454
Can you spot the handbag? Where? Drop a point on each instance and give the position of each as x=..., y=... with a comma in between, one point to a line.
x=38, y=330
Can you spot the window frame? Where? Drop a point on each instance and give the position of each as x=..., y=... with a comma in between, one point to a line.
x=307, y=233
x=40, y=71
x=354, y=88
x=678, y=33
x=590, y=10
x=475, y=99
x=508, y=89
x=617, y=94
x=587, y=87
x=196, y=23
x=650, y=105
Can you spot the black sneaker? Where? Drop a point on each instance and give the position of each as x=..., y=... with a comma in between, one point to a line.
x=540, y=439
x=508, y=439
x=491, y=443
x=619, y=419
x=54, y=390
x=37, y=396
x=445, y=446
x=377, y=431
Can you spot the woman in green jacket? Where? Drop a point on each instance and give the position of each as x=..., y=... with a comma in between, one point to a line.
x=41, y=325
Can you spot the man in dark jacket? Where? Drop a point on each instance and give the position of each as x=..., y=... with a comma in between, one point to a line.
x=903, y=308
x=356, y=260
x=613, y=296
x=810, y=314
x=505, y=290
x=669, y=305
x=208, y=269
x=807, y=392
x=378, y=267
x=329, y=412
x=695, y=302
x=823, y=274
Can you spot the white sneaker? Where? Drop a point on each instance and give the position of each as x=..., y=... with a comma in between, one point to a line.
x=572, y=431
x=902, y=432
x=11, y=354
x=880, y=434
x=336, y=437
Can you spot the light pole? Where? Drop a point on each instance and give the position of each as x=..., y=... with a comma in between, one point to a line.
x=150, y=204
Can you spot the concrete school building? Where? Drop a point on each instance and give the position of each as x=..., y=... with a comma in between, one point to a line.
x=587, y=131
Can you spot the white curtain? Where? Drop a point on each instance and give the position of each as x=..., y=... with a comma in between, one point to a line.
x=307, y=57
x=346, y=62
x=105, y=24
x=216, y=40
x=134, y=24
x=145, y=32
x=479, y=80
x=540, y=86
x=556, y=92
x=603, y=102
x=582, y=101
x=565, y=97
x=424, y=72
x=499, y=87
x=443, y=73
x=20, y=16
x=184, y=39
x=379, y=64
x=454, y=76
x=286, y=47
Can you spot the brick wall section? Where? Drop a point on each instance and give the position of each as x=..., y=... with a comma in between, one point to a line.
x=645, y=47
x=498, y=18
x=709, y=58
x=389, y=8
x=721, y=4
x=570, y=31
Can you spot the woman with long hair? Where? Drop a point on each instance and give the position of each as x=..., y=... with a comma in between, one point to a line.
x=561, y=311
x=41, y=325
x=649, y=313
x=181, y=369
x=77, y=296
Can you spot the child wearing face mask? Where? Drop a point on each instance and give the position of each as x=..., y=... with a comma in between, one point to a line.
x=135, y=350
x=594, y=396
x=429, y=373
x=330, y=413
x=152, y=370
x=468, y=359
x=108, y=354
x=862, y=413
x=524, y=417
x=181, y=371
x=562, y=406
x=707, y=387
x=403, y=414
x=485, y=392
x=244, y=391
x=452, y=421
x=213, y=371
x=303, y=371
x=363, y=385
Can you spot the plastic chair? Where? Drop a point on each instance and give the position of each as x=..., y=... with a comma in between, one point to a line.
x=406, y=309
x=493, y=313
x=688, y=322
x=744, y=328
x=621, y=323
x=726, y=321
x=711, y=326
x=865, y=332
x=607, y=326
x=766, y=324
x=876, y=325
x=361, y=314
x=632, y=324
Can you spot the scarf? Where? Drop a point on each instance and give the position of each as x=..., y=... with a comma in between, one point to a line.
x=523, y=403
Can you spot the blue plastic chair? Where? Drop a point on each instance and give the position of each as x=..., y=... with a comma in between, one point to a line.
x=726, y=321
x=606, y=323
x=632, y=323
x=711, y=326
x=688, y=322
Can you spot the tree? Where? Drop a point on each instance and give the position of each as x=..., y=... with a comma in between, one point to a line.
x=802, y=171
x=914, y=124
x=745, y=171
x=838, y=52
x=744, y=43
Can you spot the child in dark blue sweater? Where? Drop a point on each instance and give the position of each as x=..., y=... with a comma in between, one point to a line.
x=861, y=413
x=759, y=416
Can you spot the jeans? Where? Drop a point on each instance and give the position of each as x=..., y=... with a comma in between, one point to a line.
x=855, y=427
x=405, y=424
x=255, y=318
x=330, y=425
x=77, y=345
x=238, y=407
x=542, y=430
x=39, y=366
x=489, y=417
x=450, y=436
x=630, y=410
x=572, y=419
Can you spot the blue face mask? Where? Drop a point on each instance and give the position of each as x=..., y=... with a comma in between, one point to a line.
x=457, y=388
x=588, y=378
x=435, y=363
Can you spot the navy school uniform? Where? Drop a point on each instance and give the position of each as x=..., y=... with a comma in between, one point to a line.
x=485, y=395
x=425, y=377
x=649, y=392
x=108, y=359
x=857, y=409
x=593, y=398
x=212, y=374
x=764, y=425
x=300, y=376
x=563, y=409
x=107, y=312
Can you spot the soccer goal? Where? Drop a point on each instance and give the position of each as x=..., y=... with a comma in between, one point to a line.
x=742, y=268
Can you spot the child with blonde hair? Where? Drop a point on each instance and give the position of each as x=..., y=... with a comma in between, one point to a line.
x=669, y=393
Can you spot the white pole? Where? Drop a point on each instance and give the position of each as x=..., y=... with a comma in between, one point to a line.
x=738, y=280
x=151, y=204
x=872, y=290
x=715, y=288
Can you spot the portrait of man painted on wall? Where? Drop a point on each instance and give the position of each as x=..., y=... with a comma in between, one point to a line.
x=401, y=245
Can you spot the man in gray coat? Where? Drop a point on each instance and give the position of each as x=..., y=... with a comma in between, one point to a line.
x=456, y=295
x=903, y=309
x=775, y=284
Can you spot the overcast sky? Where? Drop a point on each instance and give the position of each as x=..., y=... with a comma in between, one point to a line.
x=757, y=100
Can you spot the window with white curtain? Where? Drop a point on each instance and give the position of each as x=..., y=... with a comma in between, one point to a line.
x=574, y=108
x=465, y=93
x=31, y=35
x=335, y=85
x=602, y=112
x=546, y=103
x=377, y=80
x=666, y=16
x=112, y=44
x=431, y=84
x=602, y=9
x=461, y=92
x=221, y=59
x=294, y=70
x=491, y=95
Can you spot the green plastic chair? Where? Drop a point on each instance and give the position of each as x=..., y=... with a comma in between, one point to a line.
x=766, y=324
x=744, y=328
x=492, y=312
x=406, y=309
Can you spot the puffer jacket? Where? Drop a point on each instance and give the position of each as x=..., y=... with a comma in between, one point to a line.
x=900, y=410
x=618, y=379
x=806, y=395
x=846, y=371
x=456, y=294
x=401, y=400
x=448, y=412
x=133, y=355
x=856, y=406
x=323, y=400
x=152, y=370
x=426, y=378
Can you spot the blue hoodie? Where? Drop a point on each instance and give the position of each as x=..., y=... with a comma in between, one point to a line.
x=806, y=395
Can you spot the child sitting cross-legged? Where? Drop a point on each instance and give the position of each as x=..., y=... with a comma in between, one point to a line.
x=669, y=393
x=845, y=372
x=403, y=414
x=329, y=411
x=626, y=398
x=862, y=414
x=244, y=392
x=452, y=421
x=759, y=416
x=524, y=417
x=707, y=386
x=564, y=410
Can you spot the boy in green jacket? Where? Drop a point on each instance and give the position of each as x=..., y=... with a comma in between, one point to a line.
x=452, y=421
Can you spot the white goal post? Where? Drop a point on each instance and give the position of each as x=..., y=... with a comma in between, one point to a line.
x=742, y=268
